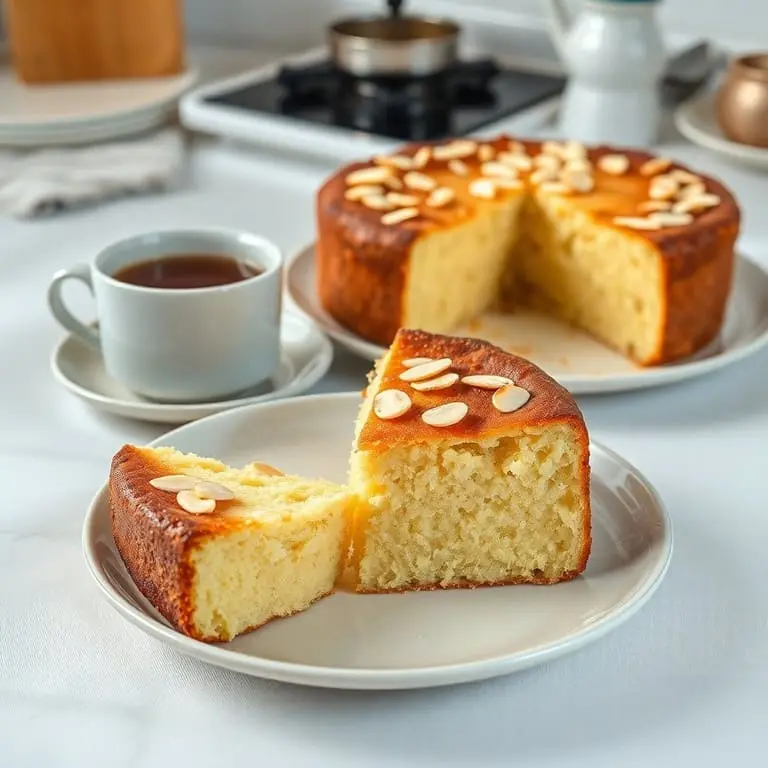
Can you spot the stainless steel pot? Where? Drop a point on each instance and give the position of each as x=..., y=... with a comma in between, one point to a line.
x=393, y=46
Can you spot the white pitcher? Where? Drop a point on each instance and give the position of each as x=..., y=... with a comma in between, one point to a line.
x=614, y=56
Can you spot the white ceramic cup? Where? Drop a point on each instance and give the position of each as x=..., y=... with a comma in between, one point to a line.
x=182, y=345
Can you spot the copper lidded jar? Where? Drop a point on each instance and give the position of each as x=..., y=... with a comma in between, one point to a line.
x=742, y=100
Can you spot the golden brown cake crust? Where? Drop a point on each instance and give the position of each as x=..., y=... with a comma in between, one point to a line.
x=362, y=263
x=550, y=404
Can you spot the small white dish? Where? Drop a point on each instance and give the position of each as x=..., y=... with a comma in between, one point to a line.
x=697, y=121
x=306, y=355
x=580, y=363
x=415, y=639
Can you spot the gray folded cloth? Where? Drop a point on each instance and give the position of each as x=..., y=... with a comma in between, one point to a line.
x=41, y=181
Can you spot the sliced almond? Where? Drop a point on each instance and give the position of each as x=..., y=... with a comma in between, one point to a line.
x=174, y=483
x=685, y=177
x=498, y=170
x=426, y=370
x=401, y=162
x=399, y=199
x=400, y=215
x=418, y=180
x=516, y=148
x=663, y=188
x=510, y=398
x=422, y=156
x=485, y=153
x=439, y=382
x=668, y=219
x=543, y=175
x=580, y=181
x=695, y=203
x=374, y=175
x=266, y=469
x=363, y=190
x=555, y=187
x=486, y=381
x=459, y=167
x=695, y=189
x=207, y=489
x=445, y=415
x=614, y=164
x=654, y=205
x=548, y=162
x=553, y=149
x=440, y=197
x=573, y=150
x=510, y=183
x=455, y=150
x=192, y=503
x=636, y=222
x=654, y=166
x=414, y=361
x=578, y=165
x=393, y=182
x=391, y=404
x=483, y=188
x=377, y=203
x=517, y=161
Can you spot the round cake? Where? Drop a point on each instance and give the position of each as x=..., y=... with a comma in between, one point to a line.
x=635, y=249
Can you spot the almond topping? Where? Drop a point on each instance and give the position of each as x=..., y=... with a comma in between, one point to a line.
x=547, y=162
x=399, y=199
x=375, y=175
x=393, y=182
x=401, y=214
x=459, y=167
x=552, y=148
x=417, y=180
x=654, y=166
x=580, y=181
x=510, y=398
x=615, y=165
x=402, y=162
x=654, y=205
x=445, y=415
x=377, y=203
x=486, y=381
x=573, y=150
x=440, y=197
x=440, y=382
x=265, y=469
x=455, y=150
x=363, y=190
x=694, y=203
x=636, y=222
x=685, y=177
x=413, y=361
x=555, y=187
x=663, y=188
x=174, y=483
x=544, y=174
x=510, y=183
x=667, y=219
x=516, y=148
x=578, y=165
x=206, y=489
x=426, y=370
x=518, y=162
x=192, y=503
x=485, y=152
x=421, y=158
x=692, y=190
x=497, y=169
x=391, y=404
x=483, y=188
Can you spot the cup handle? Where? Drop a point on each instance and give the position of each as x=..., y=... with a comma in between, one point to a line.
x=59, y=310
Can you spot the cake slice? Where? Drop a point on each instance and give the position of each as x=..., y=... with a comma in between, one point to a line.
x=474, y=465
x=219, y=551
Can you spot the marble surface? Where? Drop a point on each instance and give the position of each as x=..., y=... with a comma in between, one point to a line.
x=684, y=683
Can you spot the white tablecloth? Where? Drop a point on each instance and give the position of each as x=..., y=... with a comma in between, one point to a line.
x=684, y=683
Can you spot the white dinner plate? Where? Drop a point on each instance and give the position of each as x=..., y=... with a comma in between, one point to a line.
x=697, y=121
x=579, y=362
x=416, y=639
x=306, y=355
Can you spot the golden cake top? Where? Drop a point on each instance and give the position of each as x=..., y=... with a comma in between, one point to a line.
x=425, y=187
x=434, y=387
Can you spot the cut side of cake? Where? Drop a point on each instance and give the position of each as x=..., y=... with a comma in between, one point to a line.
x=472, y=466
x=219, y=551
x=634, y=249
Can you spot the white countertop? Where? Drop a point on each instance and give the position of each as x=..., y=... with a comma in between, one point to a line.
x=684, y=683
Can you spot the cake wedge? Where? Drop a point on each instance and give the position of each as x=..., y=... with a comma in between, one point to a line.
x=472, y=465
x=219, y=551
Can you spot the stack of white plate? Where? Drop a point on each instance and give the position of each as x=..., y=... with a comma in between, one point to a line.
x=82, y=113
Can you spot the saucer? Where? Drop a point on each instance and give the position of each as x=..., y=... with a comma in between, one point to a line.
x=306, y=355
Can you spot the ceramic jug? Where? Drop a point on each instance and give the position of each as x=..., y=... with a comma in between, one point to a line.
x=614, y=57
